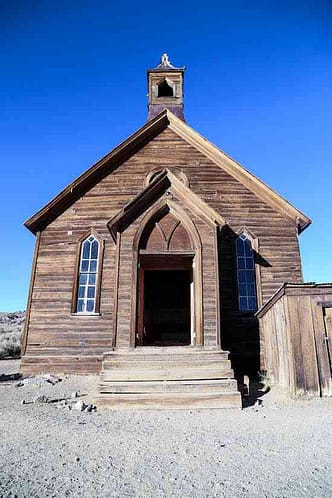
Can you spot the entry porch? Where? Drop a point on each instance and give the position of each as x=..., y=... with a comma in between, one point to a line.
x=167, y=377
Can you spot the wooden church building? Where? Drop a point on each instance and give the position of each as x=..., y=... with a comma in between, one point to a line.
x=151, y=266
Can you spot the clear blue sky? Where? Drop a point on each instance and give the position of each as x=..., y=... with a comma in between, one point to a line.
x=73, y=85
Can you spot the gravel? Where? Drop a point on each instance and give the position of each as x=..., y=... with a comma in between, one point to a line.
x=279, y=448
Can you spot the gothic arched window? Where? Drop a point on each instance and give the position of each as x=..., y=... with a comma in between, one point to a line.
x=165, y=90
x=245, y=272
x=88, y=275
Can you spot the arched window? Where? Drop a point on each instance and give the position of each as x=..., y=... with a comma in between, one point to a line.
x=88, y=276
x=165, y=90
x=246, y=281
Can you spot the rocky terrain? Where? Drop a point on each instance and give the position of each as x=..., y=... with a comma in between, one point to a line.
x=275, y=448
x=11, y=326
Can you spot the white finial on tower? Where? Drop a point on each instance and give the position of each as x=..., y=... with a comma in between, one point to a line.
x=165, y=63
x=164, y=60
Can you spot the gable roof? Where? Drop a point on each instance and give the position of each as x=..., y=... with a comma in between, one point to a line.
x=163, y=182
x=138, y=140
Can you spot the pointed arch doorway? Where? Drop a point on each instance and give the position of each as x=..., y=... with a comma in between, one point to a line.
x=166, y=283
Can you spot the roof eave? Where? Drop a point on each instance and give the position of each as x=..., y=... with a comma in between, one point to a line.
x=102, y=167
x=239, y=172
x=137, y=140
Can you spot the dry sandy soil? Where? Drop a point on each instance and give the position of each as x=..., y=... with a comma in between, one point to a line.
x=280, y=449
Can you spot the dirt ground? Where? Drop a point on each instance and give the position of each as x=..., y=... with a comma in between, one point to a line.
x=279, y=449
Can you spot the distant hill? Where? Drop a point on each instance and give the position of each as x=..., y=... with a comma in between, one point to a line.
x=11, y=326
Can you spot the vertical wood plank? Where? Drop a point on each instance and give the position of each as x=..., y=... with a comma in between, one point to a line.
x=116, y=288
x=32, y=281
x=321, y=326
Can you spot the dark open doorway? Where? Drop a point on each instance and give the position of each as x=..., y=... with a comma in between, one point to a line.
x=165, y=311
x=166, y=307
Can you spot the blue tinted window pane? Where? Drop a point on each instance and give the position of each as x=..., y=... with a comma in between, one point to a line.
x=92, y=279
x=81, y=290
x=86, y=250
x=241, y=275
x=242, y=290
x=248, y=251
x=94, y=250
x=91, y=292
x=239, y=247
x=90, y=305
x=252, y=303
x=85, y=265
x=243, y=303
x=80, y=305
x=250, y=276
x=251, y=290
x=83, y=279
x=250, y=263
x=93, y=265
x=241, y=263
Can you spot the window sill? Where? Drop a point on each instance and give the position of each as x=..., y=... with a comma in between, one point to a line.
x=85, y=314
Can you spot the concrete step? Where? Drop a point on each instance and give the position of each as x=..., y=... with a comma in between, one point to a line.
x=184, y=386
x=160, y=401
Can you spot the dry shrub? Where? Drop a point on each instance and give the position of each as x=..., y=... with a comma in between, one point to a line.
x=11, y=326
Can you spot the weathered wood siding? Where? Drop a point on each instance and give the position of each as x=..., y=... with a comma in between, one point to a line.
x=295, y=339
x=53, y=330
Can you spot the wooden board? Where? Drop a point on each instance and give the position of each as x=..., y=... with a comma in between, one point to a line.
x=296, y=328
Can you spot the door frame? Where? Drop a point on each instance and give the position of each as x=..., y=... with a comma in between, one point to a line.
x=149, y=261
x=169, y=205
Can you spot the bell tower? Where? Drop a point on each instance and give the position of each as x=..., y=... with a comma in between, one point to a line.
x=165, y=88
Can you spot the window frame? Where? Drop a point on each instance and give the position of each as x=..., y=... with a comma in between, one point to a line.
x=79, y=248
x=255, y=248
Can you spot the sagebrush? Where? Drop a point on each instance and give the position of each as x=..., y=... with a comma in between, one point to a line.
x=11, y=326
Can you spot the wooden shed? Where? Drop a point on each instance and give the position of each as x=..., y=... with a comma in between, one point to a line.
x=150, y=266
x=296, y=335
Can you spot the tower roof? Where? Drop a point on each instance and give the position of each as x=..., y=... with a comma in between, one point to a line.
x=166, y=65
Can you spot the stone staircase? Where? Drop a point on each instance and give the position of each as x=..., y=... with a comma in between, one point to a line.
x=167, y=377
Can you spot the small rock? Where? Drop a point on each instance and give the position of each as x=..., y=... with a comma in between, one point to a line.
x=62, y=404
x=41, y=399
x=74, y=394
x=39, y=380
x=23, y=402
x=51, y=379
x=80, y=406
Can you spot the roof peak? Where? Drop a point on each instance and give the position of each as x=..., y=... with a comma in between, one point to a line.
x=135, y=142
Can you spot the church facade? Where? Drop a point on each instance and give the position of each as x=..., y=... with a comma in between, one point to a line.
x=150, y=267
